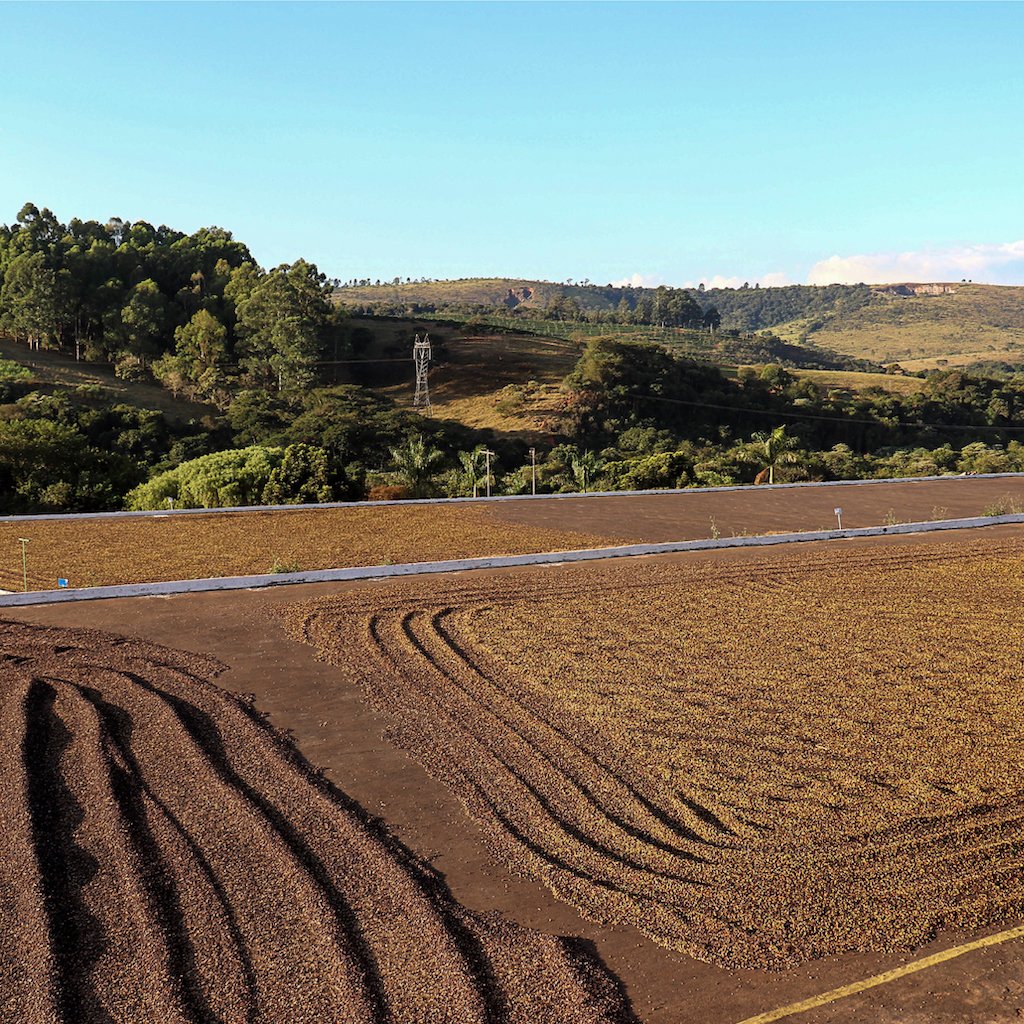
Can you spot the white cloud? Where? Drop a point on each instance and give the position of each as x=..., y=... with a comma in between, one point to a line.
x=775, y=279
x=639, y=281
x=989, y=263
x=770, y=280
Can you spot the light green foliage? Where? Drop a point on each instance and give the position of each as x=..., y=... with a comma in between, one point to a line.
x=415, y=464
x=304, y=476
x=10, y=370
x=257, y=475
x=218, y=480
x=771, y=450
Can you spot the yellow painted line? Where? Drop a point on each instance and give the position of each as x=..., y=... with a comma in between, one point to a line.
x=881, y=979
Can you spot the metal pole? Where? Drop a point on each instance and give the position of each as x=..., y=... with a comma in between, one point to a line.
x=487, y=456
x=24, y=562
x=533, y=465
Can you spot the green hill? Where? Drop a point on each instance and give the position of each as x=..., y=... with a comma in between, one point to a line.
x=921, y=326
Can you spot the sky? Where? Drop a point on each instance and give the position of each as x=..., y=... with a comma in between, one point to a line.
x=653, y=143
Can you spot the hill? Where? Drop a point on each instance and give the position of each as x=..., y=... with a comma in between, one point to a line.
x=492, y=372
x=919, y=325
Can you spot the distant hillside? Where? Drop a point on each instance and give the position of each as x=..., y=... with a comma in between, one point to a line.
x=920, y=325
x=961, y=324
x=481, y=291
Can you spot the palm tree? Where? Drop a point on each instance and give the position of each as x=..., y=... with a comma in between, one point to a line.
x=415, y=462
x=469, y=462
x=772, y=450
x=585, y=466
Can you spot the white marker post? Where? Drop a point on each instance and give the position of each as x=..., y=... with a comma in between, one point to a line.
x=24, y=562
x=533, y=468
x=839, y=516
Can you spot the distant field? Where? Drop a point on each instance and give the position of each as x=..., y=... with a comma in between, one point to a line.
x=755, y=763
x=853, y=381
x=1013, y=356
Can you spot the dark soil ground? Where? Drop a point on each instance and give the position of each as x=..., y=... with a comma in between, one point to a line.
x=335, y=728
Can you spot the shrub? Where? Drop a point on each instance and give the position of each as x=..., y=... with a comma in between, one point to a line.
x=389, y=492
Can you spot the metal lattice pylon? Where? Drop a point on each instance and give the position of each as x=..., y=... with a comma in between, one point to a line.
x=421, y=359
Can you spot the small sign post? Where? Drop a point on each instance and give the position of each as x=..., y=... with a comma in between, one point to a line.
x=61, y=582
x=24, y=562
x=839, y=516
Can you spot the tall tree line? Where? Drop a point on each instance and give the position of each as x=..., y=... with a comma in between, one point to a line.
x=196, y=310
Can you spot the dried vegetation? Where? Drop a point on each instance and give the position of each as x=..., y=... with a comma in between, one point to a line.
x=754, y=762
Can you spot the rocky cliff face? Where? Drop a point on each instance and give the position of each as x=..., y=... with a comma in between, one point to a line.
x=918, y=289
x=513, y=297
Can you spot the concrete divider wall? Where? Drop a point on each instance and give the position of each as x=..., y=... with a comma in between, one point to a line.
x=163, y=513
x=496, y=562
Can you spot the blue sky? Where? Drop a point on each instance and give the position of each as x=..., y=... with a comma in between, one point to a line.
x=663, y=143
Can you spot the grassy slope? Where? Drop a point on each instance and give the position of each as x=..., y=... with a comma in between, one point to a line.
x=852, y=381
x=976, y=321
x=509, y=382
x=982, y=321
x=488, y=291
x=505, y=382
x=54, y=371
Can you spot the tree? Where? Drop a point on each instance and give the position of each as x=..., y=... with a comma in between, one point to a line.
x=218, y=480
x=281, y=323
x=144, y=319
x=470, y=464
x=305, y=475
x=50, y=467
x=199, y=363
x=585, y=467
x=416, y=464
x=712, y=319
x=772, y=450
x=29, y=299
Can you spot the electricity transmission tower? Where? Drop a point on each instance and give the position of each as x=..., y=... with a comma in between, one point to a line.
x=421, y=359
